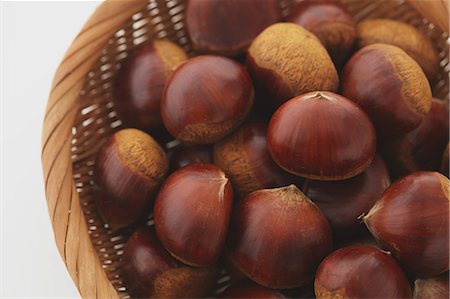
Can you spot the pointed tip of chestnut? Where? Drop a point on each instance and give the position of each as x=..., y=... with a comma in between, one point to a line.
x=339, y=146
x=389, y=86
x=303, y=237
x=139, y=83
x=192, y=212
x=360, y=272
x=129, y=157
x=149, y=271
x=277, y=70
x=411, y=220
x=207, y=112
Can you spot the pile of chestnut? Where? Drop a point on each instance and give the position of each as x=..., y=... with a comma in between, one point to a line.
x=270, y=153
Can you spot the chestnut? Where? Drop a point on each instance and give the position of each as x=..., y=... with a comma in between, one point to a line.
x=360, y=272
x=445, y=160
x=247, y=289
x=342, y=202
x=278, y=237
x=244, y=157
x=228, y=27
x=415, y=43
x=331, y=22
x=206, y=99
x=286, y=60
x=150, y=272
x=389, y=86
x=436, y=287
x=321, y=135
x=185, y=154
x=411, y=221
x=422, y=148
x=192, y=212
x=129, y=169
x=139, y=83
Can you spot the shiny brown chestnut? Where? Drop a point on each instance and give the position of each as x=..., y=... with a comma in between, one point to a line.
x=150, y=272
x=206, y=99
x=228, y=27
x=360, y=272
x=247, y=289
x=342, y=202
x=278, y=237
x=192, y=212
x=409, y=39
x=129, y=169
x=445, y=160
x=185, y=154
x=389, y=86
x=286, y=60
x=331, y=22
x=321, y=135
x=436, y=287
x=244, y=157
x=139, y=83
x=411, y=220
x=422, y=148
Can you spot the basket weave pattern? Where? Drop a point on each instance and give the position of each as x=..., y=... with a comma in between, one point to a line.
x=80, y=116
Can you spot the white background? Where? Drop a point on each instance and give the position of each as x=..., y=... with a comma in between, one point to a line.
x=34, y=38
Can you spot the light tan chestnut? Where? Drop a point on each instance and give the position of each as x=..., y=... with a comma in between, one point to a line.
x=286, y=60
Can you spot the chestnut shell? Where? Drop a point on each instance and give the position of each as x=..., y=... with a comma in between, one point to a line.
x=360, y=272
x=411, y=220
x=321, y=135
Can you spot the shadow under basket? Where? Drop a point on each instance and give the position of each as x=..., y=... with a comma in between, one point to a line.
x=80, y=116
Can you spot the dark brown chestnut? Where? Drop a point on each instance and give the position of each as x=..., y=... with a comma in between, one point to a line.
x=206, y=99
x=286, y=60
x=409, y=39
x=411, y=221
x=331, y=22
x=321, y=135
x=445, y=160
x=422, y=148
x=228, y=27
x=150, y=272
x=436, y=287
x=185, y=154
x=342, y=202
x=389, y=86
x=140, y=82
x=360, y=272
x=129, y=169
x=278, y=237
x=192, y=212
x=247, y=289
x=244, y=157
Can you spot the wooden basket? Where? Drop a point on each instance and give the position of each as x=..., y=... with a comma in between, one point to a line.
x=80, y=115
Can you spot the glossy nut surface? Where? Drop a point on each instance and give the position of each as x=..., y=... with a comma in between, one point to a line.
x=342, y=202
x=139, y=83
x=206, y=99
x=278, y=237
x=409, y=39
x=331, y=22
x=228, y=27
x=411, y=220
x=192, y=212
x=129, y=169
x=185, y=154
x=321, y=135
x=422, y=148
x=360, y=272
x=244, y=157
x=248, y=289
x=280, y=72
x=150, y=272
x=389, y=86
x=436, y=287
